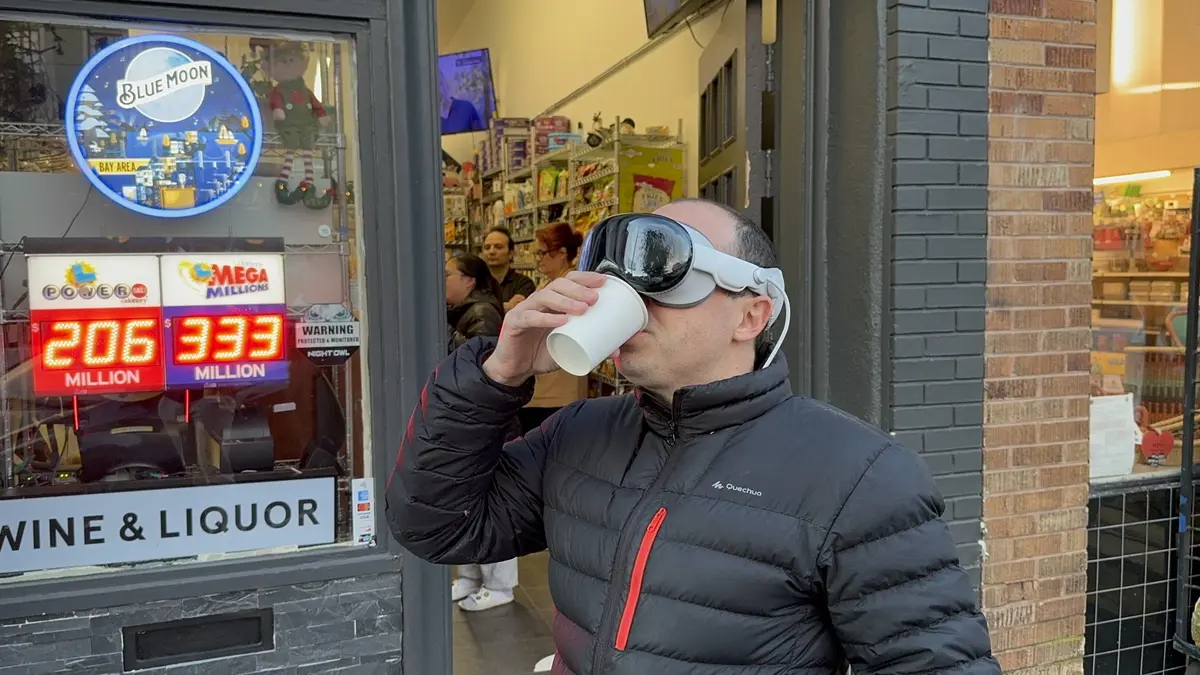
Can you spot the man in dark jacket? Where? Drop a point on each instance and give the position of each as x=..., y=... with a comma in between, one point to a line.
x=712, y=523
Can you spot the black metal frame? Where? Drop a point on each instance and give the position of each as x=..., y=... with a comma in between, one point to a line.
x=395, y=54
x=1186, y=588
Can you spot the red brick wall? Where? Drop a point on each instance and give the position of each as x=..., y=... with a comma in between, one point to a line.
x=1035, y=462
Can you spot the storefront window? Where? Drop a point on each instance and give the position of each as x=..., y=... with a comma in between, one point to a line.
x=182, y=374
x=1141, y=245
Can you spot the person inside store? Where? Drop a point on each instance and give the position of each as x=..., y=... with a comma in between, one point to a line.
x=473, y=304
x=473, y=310
x=498, y=252
x=713, y=520
x=557, y=248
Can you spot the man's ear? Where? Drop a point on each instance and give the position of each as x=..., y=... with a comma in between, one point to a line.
x=756, y=314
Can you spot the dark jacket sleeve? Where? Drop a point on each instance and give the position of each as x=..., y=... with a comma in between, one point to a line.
x=459, y=494
x=898, y=599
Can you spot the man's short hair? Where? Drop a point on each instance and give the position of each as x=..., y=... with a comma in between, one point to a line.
x=504, y=231
x=751, y=244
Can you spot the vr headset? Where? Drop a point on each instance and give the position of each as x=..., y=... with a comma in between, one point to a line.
x=676, y=266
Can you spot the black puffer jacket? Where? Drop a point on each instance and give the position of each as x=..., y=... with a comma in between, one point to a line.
x=740, y=529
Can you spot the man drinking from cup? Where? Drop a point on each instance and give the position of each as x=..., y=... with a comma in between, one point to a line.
x=711, y=523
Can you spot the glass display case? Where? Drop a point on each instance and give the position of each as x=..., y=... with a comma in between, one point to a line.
x=182, y=368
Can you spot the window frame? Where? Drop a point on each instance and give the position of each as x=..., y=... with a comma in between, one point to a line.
x=396, y=262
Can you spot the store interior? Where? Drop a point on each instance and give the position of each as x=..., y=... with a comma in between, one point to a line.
x=571, y=119
x=1147, y=147
x=1147, y=143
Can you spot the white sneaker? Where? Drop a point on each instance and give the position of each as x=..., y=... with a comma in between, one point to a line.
x=485, y=598
x=463, y=587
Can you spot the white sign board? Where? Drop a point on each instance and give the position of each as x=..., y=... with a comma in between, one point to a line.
x=39, y=533
x=219, y=279
x=93, y=281
x=1113, y=434
x=332, y=334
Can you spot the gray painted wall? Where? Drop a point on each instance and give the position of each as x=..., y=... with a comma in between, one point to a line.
x=343, y=627
x=937, y=145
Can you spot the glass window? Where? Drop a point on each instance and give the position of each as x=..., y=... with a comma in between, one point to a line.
x=1140, y=254
x=1146, y=147
x=181, y=375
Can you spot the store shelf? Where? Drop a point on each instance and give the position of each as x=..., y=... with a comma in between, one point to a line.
x=554, y=202
x=599, y=175
x=559, y=155
x=1138, y=303
x=1140, y=275
x=587, y=208
x=527, y=211
x=32, y=129
x=1154, y=350
x=519, y=174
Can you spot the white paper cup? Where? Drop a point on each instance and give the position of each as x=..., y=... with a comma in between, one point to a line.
x=585, y=340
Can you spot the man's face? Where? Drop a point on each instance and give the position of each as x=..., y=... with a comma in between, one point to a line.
x=699, y=344
x=495, y=250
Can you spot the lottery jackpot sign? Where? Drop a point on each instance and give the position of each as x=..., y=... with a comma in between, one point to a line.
x=124, y=324
x=225, y=319
x=96, y=324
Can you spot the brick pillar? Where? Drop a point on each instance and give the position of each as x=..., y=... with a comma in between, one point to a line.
x=1035, y=457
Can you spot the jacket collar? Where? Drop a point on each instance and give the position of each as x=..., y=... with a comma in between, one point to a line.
x=706, y=408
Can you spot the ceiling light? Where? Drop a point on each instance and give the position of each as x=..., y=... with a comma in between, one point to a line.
x=1158, y=88
x=1132, y=178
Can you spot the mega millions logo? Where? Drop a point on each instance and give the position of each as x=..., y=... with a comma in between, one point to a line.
x=223, y=281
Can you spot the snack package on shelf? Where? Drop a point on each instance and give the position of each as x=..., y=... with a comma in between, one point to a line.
x=548, y=178
x=651, y=193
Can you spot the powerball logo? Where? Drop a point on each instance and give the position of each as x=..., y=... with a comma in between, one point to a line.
x=83, y=282
x=222, y=281
x=80, y=274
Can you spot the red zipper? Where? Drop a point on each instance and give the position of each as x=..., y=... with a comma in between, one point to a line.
x=635, y=579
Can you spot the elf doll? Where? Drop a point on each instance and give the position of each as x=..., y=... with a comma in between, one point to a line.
x=299, y=118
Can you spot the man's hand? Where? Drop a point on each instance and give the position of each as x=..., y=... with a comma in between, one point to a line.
x=521, y=351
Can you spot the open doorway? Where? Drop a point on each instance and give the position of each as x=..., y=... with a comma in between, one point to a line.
x=553, y=118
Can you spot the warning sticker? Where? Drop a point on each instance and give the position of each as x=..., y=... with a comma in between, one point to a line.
x=327, y=334
x=328, y=343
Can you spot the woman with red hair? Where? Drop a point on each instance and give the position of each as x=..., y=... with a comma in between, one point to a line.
x=557, y=247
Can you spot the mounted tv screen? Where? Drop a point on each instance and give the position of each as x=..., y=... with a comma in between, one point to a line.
x=468, y=95
x=662, y=15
